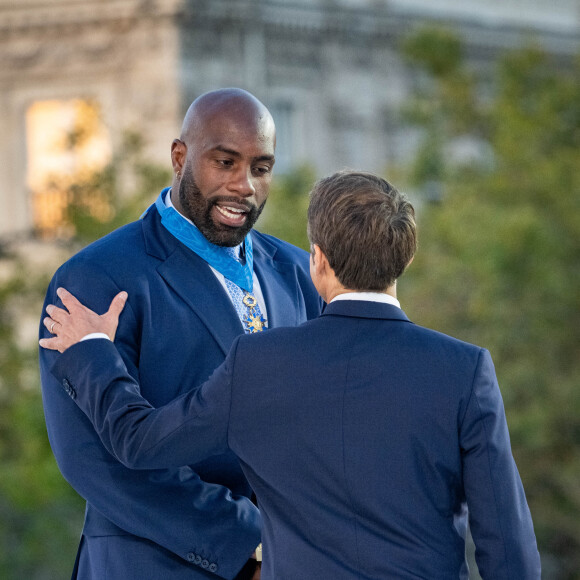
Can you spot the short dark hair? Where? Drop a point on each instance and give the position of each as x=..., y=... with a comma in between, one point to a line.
x=365, y=228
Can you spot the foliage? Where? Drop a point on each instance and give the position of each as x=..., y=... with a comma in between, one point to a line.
x=499, y=258
x=40, y=514
x=99, y=202
x=285, y=213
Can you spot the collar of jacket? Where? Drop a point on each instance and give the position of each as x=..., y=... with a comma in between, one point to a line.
x=365, y=309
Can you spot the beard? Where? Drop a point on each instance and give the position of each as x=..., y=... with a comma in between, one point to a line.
x=199, y=208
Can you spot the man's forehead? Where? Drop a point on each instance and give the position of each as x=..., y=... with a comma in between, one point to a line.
x=249, y=149
x=238, y=119
x=227, y=132
x=235, y=106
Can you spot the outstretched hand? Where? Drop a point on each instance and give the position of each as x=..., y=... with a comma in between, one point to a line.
x=72, y=324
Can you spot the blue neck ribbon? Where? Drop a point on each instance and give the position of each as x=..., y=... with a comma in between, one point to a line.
x=216, y=256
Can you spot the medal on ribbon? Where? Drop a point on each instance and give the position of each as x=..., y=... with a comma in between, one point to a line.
x=253, y=321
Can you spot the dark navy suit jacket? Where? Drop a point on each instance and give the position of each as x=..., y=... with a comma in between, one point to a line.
x=178, y=326
x=363, y=435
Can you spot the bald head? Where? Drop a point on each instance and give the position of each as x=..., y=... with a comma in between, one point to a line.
x=232, y=105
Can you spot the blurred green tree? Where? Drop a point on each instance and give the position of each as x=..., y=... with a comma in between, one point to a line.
x=104, y=200
x=499, y=257
x=37, y=509
x=40, y=515
x=285, y=213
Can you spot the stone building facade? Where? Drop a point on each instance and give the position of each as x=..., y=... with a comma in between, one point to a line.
x=329, y=70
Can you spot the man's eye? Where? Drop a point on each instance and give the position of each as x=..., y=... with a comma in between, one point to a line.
x=262, y=169
x=225, y=162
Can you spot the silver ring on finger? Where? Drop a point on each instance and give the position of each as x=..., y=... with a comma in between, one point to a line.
x=51, y=327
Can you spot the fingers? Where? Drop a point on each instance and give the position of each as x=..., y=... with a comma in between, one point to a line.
x=49, y=324
x=68, y=299
x=50, y=343
x=70, y=327
x=117, y=305
x=57, y=314
x=112, y=315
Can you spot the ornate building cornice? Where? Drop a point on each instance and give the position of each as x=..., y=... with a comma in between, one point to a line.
x=42, y=36
x=44, y=33
x=26, y=16
x=376, y=20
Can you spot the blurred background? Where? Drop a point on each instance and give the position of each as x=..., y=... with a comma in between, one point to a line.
x=472, y=107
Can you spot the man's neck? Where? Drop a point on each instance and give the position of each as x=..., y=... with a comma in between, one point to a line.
x=169, y=203
x=339, y=290
x=381, y=297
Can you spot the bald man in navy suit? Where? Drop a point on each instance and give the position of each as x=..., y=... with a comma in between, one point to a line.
x=188, y=264
x=368, y=440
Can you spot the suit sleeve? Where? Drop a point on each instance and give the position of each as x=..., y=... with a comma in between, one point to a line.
x=173, y=508
x=499, y=516
x=187, y=430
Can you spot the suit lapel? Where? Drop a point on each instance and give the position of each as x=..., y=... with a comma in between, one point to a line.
x=192, y=280
x=279, y=285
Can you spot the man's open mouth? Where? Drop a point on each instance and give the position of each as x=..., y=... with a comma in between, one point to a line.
x=231, y=215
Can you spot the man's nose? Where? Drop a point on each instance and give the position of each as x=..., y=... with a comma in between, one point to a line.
x=243, y=182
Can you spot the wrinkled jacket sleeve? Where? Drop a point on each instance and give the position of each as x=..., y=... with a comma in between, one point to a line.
x=187, y=430
x=499, y=516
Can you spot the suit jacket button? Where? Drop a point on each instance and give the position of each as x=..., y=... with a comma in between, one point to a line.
x=204, y=564
x=213, y=567
x=197, y=559
x=190, y=557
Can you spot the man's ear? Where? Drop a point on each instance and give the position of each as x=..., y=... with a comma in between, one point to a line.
x=321, y=261
x=178, y=155
x=316, y=256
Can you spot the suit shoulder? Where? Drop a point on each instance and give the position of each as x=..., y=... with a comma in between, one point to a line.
x=118, y=249
x=444, y=341
x=279, y=339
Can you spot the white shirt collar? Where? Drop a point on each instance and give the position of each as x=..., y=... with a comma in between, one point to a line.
x=369, y=297
x=169, y=203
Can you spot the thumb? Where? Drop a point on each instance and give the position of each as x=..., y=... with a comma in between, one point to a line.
x=117, y=305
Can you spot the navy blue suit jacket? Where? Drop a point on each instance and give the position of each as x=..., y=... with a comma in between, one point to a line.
x=363, y=435
x=178, y=326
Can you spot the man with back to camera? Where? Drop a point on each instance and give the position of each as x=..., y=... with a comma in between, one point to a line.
x=364, y=436
x=188, y=304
